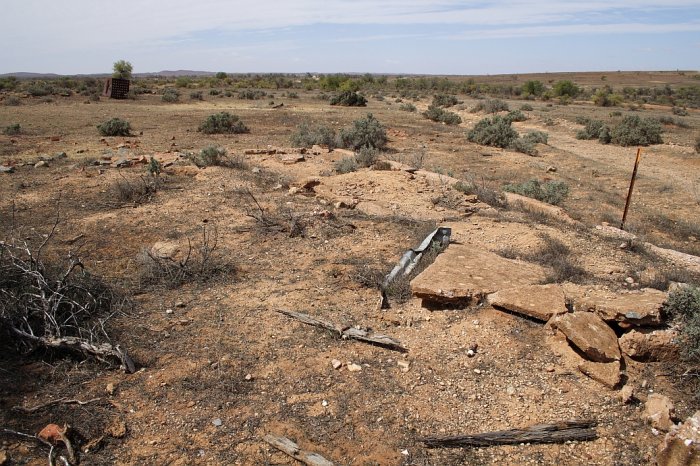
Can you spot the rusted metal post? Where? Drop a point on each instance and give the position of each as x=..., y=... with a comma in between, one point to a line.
x=629, y=193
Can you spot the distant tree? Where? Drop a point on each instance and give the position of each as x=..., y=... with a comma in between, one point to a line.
x=533, y=88
x=221, y=75
x=566, y=88
x=122, y=69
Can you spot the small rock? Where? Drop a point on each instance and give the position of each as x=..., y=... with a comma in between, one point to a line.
x=168, y=311
x=627, y=394
x=590, y=334
x=551, y=169
x=3, y=458
x=255, y=169
x=470, y=353
x=650, y=345
x=658, y=411
x=249, y=377
x=404, y=365
x=110, y=388
x=352, y=367
x=191, y=404
x=629, y=280
x=336, y=364
x=41, y=163
x=549, y=368
x=510, y=391
x=404, y=452
x=477, y=371
x=217, y=422
x=180, y=304
x=6, y=169
x=61, y=155
x=324, y=403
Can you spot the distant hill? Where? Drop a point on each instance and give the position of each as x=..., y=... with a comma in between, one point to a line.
x=164, y=73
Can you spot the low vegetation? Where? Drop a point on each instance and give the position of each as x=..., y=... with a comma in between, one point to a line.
x=170, y=95
x=683, y=305
x=440, y=115
x=223, y=123
x=631, y=131
x=490, y=106
x=495, y=132
x=556, y=255
x=349, y=99
x=346, y=165
x=444, y=100
x=115, y=127
x=408, y=107
x=365, y=132
x=551, y=192
x=12, y=130
x=308, y=135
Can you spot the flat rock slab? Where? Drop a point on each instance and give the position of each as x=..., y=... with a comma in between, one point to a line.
x=464, y=274
x=590, y=334
x=635, y=308
x=540, y=302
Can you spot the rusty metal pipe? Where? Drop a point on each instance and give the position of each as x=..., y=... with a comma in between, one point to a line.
x=629, y=193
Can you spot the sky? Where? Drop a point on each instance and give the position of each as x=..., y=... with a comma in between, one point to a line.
x=467, y=37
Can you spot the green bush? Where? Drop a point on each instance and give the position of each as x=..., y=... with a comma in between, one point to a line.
x=490, y=106
x=346, y=165
x=526, y=108
x=551, y=192
x=12, y=130
x=566, y=88
x=223, y=123
x=250, y=94
x=441, y=115
x=593, y=129
x=367, y=156
x=684, y=305
x=603, y=98
x=516, y=115
x=40, y=90
x=214, y=92
x=408, y=107
x=636, y=131
x=535, y=88
x=364, y=132
x=537, y=137
x=115, y=127
x=210, y=156
x=524, y=146
x=221, y=75
x=307, y=136
x=122, y=69
x=349, y=99
x=495, y=132
x=196, y=95
x=444, y=100
x=170, y=95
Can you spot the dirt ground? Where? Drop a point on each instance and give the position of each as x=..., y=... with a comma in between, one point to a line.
x=218, y=367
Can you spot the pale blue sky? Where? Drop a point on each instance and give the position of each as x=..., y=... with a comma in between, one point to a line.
x=391, y=36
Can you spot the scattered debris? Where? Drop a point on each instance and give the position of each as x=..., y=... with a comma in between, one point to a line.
x=681, y=446
x=348, y=332
x=34, y=409
x=292, y=449
x=559, y=432
x=336, y=364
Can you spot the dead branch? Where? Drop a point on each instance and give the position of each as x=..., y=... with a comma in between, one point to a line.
x=559, y=432
x=51, y=403
x=292, y=449
x=348, y=332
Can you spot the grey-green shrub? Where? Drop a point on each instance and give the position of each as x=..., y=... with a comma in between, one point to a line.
x=367, y=156
x=551, y=192
x=223, y=123
x=516, y=115
x=12, y=101
x=526, y=108
x=592, y=128
x=307, y=135
x=636, y=131
x=524, y=146
x=490, y=106
x=197, y=95
x=115, y=127
x=349, y=99
x=346, y=165
x=440, y=115
x=684, y=305
x=251, y=94
x=495, y=131
x=408, y=107
x=444, y=100
x=537, y=137
x=210, y=156
x=170, y=95
x=366, y=131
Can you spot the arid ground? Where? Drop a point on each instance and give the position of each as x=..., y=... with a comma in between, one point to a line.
x=218, y=367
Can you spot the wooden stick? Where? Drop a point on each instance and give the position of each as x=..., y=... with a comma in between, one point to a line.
x=54, y=402
x=348, y=332
x=559, y=432
x=292, y=449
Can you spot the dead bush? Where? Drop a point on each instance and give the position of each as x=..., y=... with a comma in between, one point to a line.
x=200, y=262
x=53, y=302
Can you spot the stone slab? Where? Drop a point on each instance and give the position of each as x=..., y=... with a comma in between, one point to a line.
x=540, y=302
